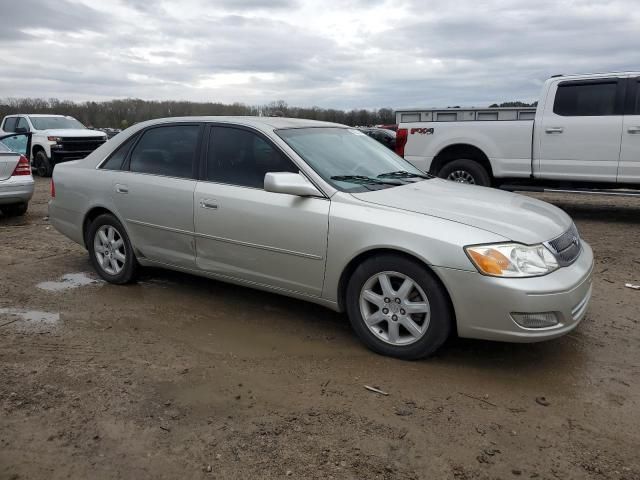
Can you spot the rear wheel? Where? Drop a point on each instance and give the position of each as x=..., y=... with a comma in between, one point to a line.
x=43, y=164
x=465, y=170
x=110, y=250
x=398, y=308
x=16, y=210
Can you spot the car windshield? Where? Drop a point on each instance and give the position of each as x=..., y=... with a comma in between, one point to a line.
x=55, y=123
x=350, y=160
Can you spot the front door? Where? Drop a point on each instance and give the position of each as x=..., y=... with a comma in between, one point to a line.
x=153, y=193
x=629, y=168
x=246, y=233
x=579, y=135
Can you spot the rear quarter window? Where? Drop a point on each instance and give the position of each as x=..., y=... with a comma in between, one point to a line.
x=116, y=160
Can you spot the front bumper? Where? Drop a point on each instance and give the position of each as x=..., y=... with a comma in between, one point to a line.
x=483, y=305
x=16, y=190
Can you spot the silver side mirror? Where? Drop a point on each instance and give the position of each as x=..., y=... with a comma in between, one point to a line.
x=290, y=183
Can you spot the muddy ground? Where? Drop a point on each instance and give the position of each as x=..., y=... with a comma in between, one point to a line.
x=183, y=377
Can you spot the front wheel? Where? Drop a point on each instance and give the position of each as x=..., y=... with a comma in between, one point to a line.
x=43, y=164
x=465, y=171
x=110, y=250
x=397, y=307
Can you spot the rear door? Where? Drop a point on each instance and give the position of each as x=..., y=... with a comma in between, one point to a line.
x=579, y=135
x=12, y=146
x=247, y=233
x=629, y=168
x=153, y=192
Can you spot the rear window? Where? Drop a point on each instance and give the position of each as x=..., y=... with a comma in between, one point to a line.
x=168, y=151
x=586, y=99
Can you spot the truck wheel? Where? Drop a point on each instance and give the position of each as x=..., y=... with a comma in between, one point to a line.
x=466, y=171
x=16, y=210
x=398, y=308
x=43, y=165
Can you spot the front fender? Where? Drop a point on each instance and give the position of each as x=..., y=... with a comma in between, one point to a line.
x=357, y=227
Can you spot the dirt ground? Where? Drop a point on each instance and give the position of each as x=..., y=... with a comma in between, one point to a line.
x=183, y=377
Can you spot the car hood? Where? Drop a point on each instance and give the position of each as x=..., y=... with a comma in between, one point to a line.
x=515, y=217
x=72, y=132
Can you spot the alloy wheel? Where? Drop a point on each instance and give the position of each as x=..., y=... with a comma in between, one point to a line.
x=395, y=308
x=461, y=176
x=109, y=249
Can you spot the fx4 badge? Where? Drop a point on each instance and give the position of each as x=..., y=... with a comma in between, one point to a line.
x=422, y=131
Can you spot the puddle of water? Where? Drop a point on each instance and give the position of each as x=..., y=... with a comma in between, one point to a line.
x=34, y=318
x=69, y=281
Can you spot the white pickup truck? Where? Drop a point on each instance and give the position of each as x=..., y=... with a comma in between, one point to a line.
x=55, y=139
x=584, y=133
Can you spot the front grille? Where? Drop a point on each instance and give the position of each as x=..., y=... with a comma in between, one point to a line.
x=81, y=144
x=566, y=247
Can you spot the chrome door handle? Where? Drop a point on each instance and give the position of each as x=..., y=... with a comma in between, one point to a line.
x=554, y=130
x=122, y=188
x=633, y=130
x=209, y=203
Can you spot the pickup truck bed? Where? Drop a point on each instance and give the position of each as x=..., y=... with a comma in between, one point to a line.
x=504, y=132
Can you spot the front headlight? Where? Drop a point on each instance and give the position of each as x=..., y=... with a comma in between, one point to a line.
x=512, y=260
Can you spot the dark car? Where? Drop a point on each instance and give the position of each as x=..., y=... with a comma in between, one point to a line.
x=111, y=132
x=382, y=135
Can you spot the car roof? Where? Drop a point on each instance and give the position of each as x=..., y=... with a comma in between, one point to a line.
x=262, y=123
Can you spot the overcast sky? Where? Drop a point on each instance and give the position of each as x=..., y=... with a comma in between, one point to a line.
x=329, y=53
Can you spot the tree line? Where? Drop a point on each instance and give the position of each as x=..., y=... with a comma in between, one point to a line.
x=126, y=112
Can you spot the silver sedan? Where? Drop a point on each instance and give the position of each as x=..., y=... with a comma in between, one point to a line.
x=321, y=212
x=16, y=181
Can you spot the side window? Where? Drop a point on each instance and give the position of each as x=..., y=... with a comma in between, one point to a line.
x=587, y=99
x=636, y=110
x=22, y=125
x=240, y=157
x=116, y=159
x=10, y=124
x=168, y=151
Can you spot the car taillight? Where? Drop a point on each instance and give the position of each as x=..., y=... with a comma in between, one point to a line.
x=401, y=140
x=53, y=189
x=23, y=167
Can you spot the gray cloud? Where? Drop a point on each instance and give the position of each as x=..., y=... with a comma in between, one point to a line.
x=346, y=54
x=60, y=15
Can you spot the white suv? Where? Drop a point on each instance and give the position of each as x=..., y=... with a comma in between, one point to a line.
x=56, y=139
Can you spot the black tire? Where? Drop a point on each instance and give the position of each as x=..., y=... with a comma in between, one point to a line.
x=43, y=164
x=472, y=169
x=440, y=319
x=130, y=268
x=16, y=210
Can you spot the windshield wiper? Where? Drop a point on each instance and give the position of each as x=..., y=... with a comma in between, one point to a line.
x=404, y=174
x=363, y=180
